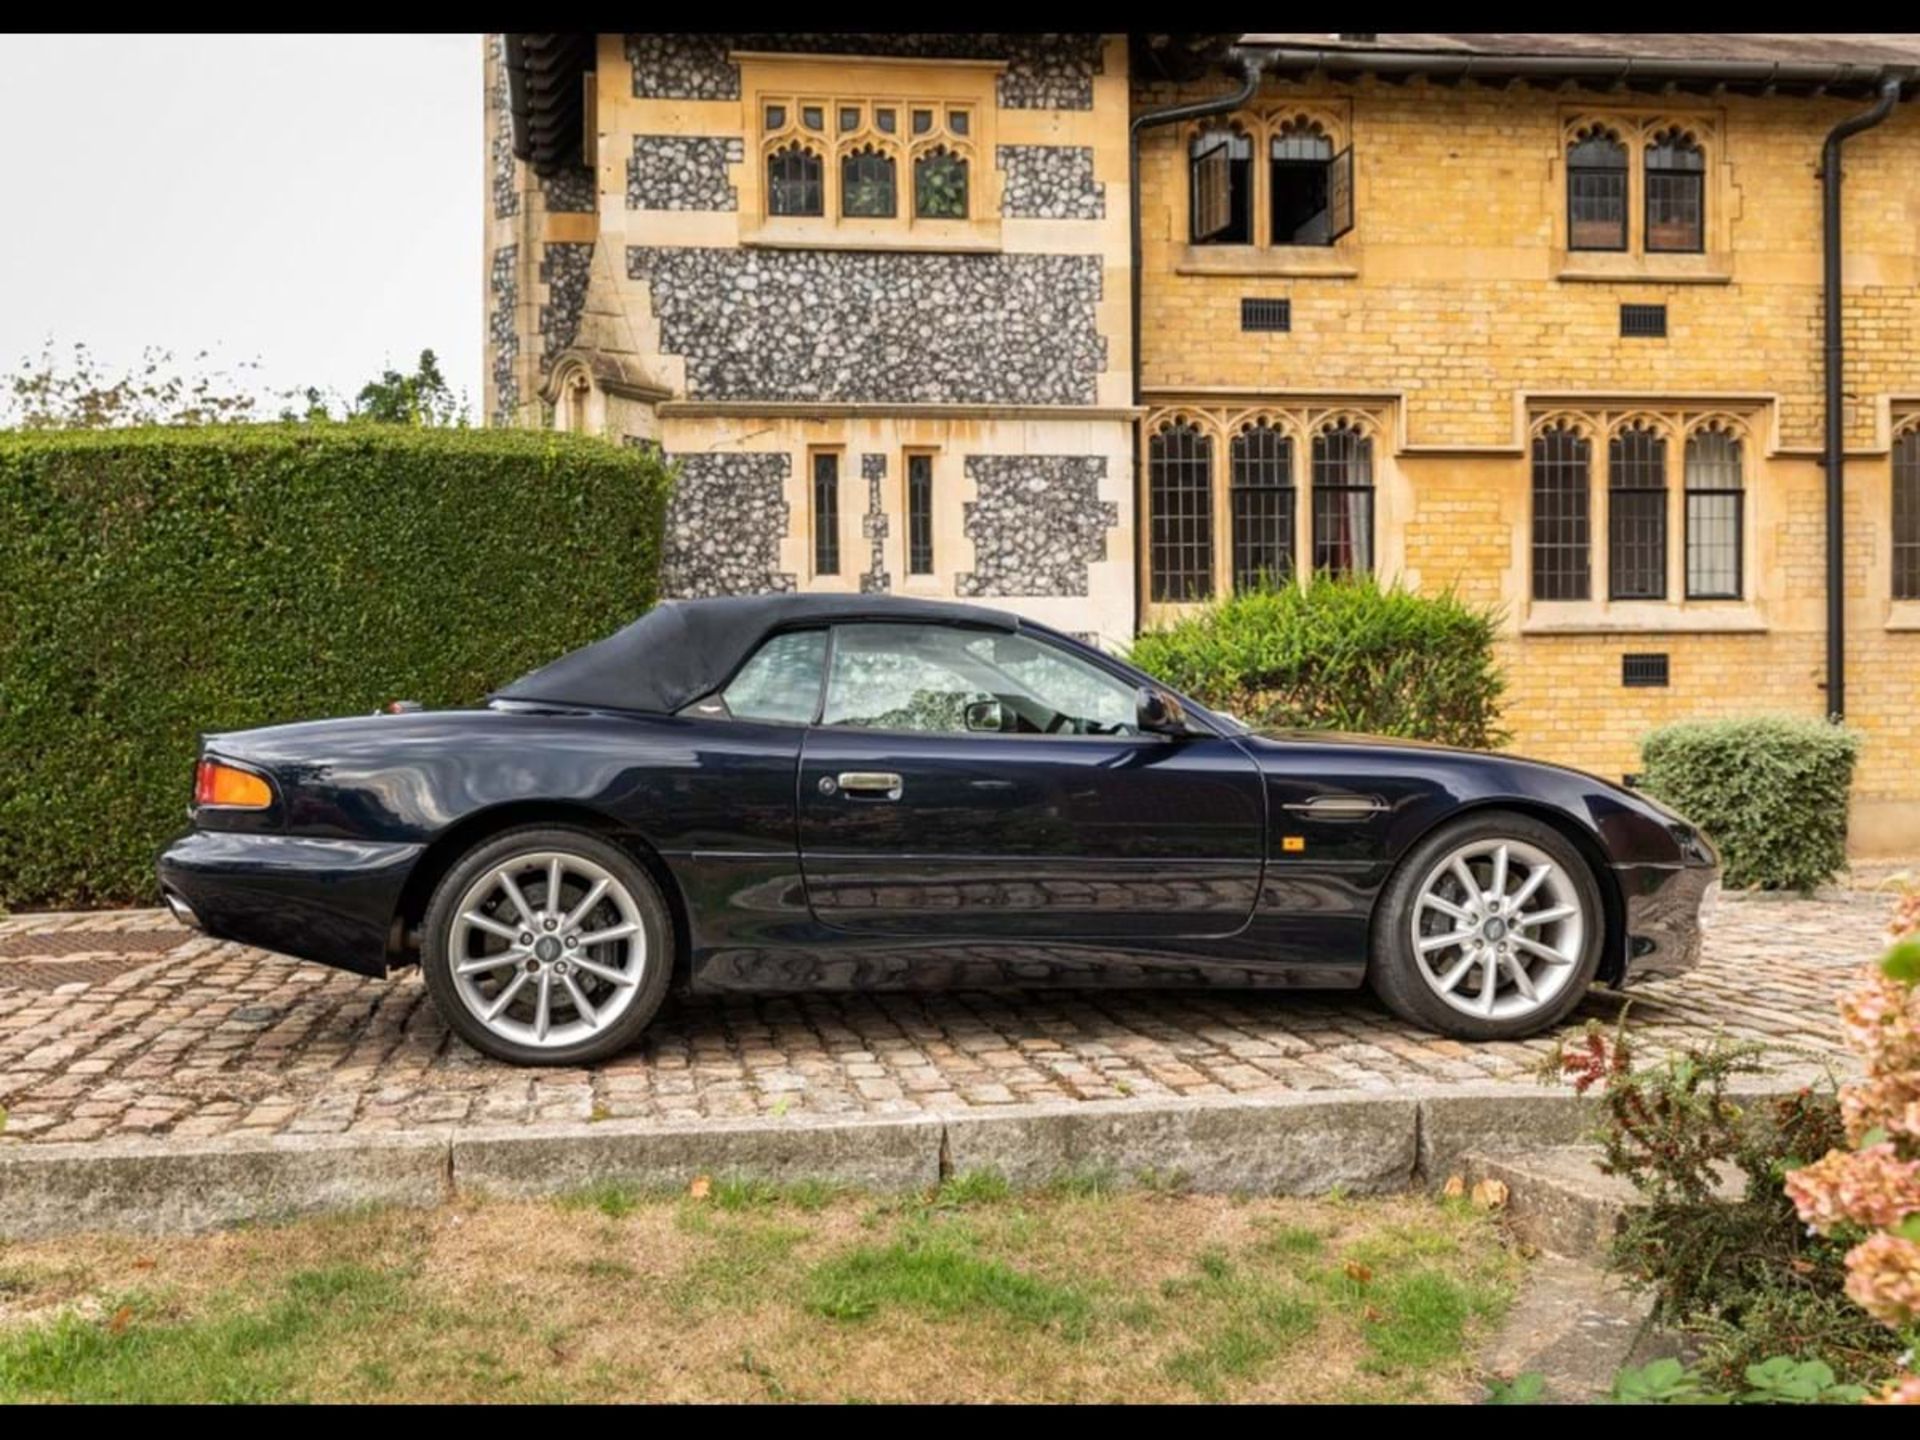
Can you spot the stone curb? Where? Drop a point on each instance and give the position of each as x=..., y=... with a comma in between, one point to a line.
x=1306, y=1143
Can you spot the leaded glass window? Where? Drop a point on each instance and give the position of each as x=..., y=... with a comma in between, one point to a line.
x=1342, y=500
x=1562, y=526
x=1637, y=514
x=1180, y=512
x=1715, y=493
x=1262, y=491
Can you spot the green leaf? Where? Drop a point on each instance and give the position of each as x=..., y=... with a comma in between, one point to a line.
x=1902, y=962
x=1526, y=1388
x=1908, y=1228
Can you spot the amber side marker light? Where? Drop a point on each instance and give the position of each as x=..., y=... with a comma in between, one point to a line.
x=217, y=784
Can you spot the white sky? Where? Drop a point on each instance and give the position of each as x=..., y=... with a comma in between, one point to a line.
x=309, y=201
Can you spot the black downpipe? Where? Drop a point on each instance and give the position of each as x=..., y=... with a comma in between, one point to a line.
x=1252, y=65
x=1836, y=391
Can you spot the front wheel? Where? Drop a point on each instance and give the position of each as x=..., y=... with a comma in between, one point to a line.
x=547, y=946
x=1491, y=929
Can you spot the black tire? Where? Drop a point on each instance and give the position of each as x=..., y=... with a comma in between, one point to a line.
x=1394, y=974
x=436, y=961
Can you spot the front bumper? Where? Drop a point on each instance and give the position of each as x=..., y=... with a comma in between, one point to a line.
x=1668, y=908
x=327, y=900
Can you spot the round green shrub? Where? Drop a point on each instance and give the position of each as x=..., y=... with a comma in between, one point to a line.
x=1769, y=791
x=1344, y=654
x=163, y=582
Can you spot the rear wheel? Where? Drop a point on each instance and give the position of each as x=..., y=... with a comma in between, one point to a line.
x=1491, y=929
x=547, y=946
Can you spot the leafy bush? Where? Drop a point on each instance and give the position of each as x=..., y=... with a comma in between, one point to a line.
x=1770, y=791
x=1340, y=655
x=1714, y=1235
x=162, y=582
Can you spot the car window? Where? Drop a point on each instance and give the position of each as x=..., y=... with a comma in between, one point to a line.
x=782, y=681
x=952, y=680
x=898, y=677
x=1063, y=682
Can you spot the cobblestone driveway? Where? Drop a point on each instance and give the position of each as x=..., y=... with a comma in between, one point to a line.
x=110, y=1027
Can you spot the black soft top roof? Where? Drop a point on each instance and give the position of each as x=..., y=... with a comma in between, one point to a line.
x=683, y=649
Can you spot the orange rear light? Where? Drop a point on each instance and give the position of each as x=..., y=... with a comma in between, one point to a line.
x=217, y=784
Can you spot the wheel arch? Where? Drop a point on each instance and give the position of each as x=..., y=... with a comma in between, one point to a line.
x=446, y=848
x=1613, y=953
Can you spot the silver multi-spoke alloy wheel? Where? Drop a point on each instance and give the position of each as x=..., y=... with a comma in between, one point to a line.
x=547, y=949
x=1499, y=929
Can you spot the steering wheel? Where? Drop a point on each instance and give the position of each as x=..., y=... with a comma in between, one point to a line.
x=1062, y=721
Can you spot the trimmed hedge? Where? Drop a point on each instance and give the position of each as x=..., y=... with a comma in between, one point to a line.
x=1770, y=792
x=1340, y=655
x=158, y=583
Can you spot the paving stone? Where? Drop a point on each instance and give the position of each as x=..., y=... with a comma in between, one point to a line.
x=157, y=1050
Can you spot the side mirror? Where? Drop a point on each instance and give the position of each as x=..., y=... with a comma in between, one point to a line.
x=986, y=715
x=1159, y=713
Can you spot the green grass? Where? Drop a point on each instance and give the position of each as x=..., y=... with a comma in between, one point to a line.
x=939, y=1272
x=746, y=1291
x=237, y=1352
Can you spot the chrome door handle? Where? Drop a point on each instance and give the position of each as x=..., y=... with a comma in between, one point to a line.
x=870, y=784
x=1338, y=807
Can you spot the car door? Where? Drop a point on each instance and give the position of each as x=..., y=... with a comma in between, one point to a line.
x=974, y=782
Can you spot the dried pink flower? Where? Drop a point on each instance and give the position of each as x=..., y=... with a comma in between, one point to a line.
x=1883, y=1278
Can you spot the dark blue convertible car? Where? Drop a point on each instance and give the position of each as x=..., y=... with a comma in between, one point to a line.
x=787, y=793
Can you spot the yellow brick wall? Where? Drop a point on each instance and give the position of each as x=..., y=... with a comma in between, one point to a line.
x=1453, y=307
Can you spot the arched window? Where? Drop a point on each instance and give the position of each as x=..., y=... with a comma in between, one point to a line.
x=1562, y=520
x=1342, y=500
x=1298, y=167
x=1716, y=493
x=940, y=185
x=1220, y=188
x=1596, y=191
x=1906, y=515
x=1637, y=514
x=1676, y=193
x=867, y=186
x=794, y=182
x=1261, y=460
x=1180, y=512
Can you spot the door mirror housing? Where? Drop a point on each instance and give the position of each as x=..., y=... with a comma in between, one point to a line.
x=1158, y=712
x=988, y=715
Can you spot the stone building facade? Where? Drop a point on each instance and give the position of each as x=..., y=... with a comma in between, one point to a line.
x=870, y=293
x=1556, y=345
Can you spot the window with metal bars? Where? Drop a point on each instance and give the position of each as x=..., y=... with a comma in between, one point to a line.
x=1637, y=515
x=1676, y=193
x=1180, y=512
x=1906, y=515
x=1257, y=314
x=826, y=512
x=1562, y=523
x=794, y=182
x=1716, y=496
x=1596, y=192
x=1261, y=466
x=1342, y=500
x=1647, y=322
x=1643, y=670
x=919, y=514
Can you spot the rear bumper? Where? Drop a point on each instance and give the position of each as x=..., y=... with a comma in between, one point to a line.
x=327, y=900
x=1667, y=911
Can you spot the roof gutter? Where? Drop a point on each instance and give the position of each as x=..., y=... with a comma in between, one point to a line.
x=1252, y=65
x=1610, y=69
x=1835, y=366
